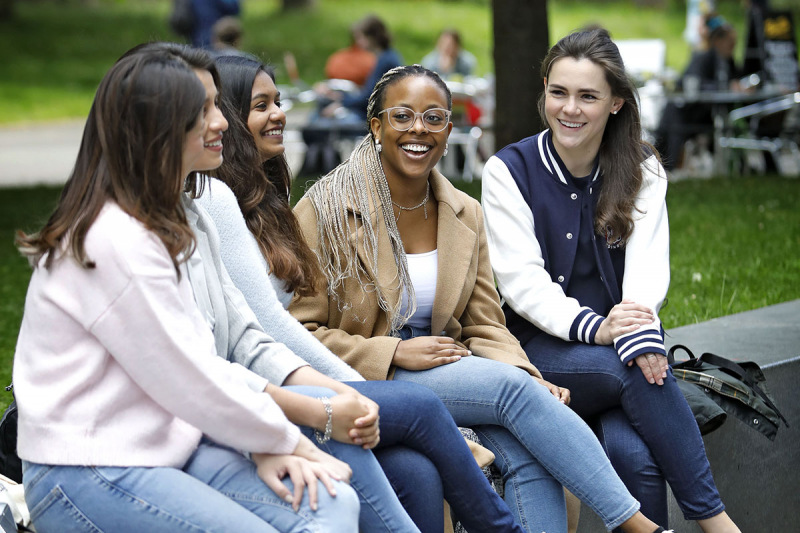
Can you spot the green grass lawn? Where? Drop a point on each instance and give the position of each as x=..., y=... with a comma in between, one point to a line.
x=56, y=51
x=735, y=247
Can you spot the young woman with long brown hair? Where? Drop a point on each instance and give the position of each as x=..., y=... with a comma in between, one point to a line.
x=128, y=419
x=577, y=230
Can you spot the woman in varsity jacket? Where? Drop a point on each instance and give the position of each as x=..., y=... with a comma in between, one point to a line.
x=579, y=243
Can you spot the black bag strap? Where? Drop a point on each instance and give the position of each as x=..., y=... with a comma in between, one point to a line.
x=742, y=374
x=671, y=355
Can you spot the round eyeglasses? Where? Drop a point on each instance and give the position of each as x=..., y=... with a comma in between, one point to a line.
x=403, y=118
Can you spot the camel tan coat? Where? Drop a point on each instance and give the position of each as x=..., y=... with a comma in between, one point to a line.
x=466, y=306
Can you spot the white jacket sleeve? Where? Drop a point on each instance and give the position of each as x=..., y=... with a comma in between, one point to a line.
x=518, y=264
x=646, y=277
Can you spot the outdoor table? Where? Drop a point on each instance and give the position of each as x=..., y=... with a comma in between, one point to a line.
x=721, y=102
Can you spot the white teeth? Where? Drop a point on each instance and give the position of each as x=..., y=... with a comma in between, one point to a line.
x=274, y=132
x=415, y=147
x=214, y=144
x=571, y=124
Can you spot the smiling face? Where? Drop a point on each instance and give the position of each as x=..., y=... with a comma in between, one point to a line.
x=411, y=154
x=578, y=103
x=266, y=119
x=203, y=145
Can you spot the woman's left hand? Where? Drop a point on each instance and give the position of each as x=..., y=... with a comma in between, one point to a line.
x=561, y=393
x=654, y=367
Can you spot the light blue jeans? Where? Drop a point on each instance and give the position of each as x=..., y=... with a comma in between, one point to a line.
x=217, y=490
x=539, y=443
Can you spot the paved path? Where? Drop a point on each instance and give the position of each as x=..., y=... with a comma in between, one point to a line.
x=44, y=153
x=41, y=153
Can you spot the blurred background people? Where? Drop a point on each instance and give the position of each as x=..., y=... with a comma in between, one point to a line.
x=710, y=69
x=449, y=59
x=344, y=113
x=206, y=14
x=226, y=37
x=354, y=63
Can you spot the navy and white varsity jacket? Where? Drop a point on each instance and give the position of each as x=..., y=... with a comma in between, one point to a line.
x=532, y=209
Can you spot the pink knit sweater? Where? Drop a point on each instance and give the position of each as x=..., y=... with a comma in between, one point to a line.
x=115, y=366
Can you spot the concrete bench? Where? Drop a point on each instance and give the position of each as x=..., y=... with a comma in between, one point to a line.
x=759, y=480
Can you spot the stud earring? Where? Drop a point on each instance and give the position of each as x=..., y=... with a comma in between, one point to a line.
x=378, y=146
x=445, y=149
x=615, y=112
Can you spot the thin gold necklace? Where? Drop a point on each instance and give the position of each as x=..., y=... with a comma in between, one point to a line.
x=423, y=203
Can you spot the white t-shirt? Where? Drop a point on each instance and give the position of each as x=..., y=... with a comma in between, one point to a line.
x=422, y=269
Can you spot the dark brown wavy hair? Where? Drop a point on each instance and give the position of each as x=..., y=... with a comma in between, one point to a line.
x=131, y=153
x=622, y=149
x=262, y=189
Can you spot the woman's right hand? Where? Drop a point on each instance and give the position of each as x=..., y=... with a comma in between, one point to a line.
x=625, y=317
x=338, y=470
x=422, y=353
x=303, y=473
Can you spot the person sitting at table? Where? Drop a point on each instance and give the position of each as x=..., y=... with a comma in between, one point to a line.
x=347, y=110
x=712, y=69
x=449, y=59
x=354, y=63
x=576, y=224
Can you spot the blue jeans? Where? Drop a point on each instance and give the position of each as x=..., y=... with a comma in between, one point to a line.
x=539, y=443
x=216, y=490
x=380, y=508
x=422, y=448
x=659, y=414
x=634, y=463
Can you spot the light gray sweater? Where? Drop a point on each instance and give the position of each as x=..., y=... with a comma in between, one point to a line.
x=264, y=293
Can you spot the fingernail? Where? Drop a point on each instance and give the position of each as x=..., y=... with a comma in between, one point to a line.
x=288, y=498
x=469, y=352
x=313, y=506
x=652, y=381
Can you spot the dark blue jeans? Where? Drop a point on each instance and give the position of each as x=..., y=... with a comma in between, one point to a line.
x=659, y=415
x=426, y=459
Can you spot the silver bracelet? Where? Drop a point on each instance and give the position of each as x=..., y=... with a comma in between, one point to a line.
x=323, y=438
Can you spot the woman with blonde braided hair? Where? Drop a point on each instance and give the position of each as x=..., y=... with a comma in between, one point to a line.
x=410, y=296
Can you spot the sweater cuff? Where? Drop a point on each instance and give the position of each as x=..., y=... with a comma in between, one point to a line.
x=639, y=342
x=585, y=326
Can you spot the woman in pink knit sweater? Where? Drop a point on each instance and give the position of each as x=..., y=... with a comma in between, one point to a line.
x=128, y=420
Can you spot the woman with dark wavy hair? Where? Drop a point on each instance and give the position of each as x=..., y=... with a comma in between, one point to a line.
x=128, y=420
x=577, y=229
x=421, y=450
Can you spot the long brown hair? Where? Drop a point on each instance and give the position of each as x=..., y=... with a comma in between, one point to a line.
x=131, y=153
x=622, y=149
x=262, y=189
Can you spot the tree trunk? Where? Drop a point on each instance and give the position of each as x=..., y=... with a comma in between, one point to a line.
x=521, y=41
x=6, y=9
x=298, y=4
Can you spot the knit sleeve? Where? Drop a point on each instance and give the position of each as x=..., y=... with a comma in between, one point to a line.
x=248, y=271
x=154, y=330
